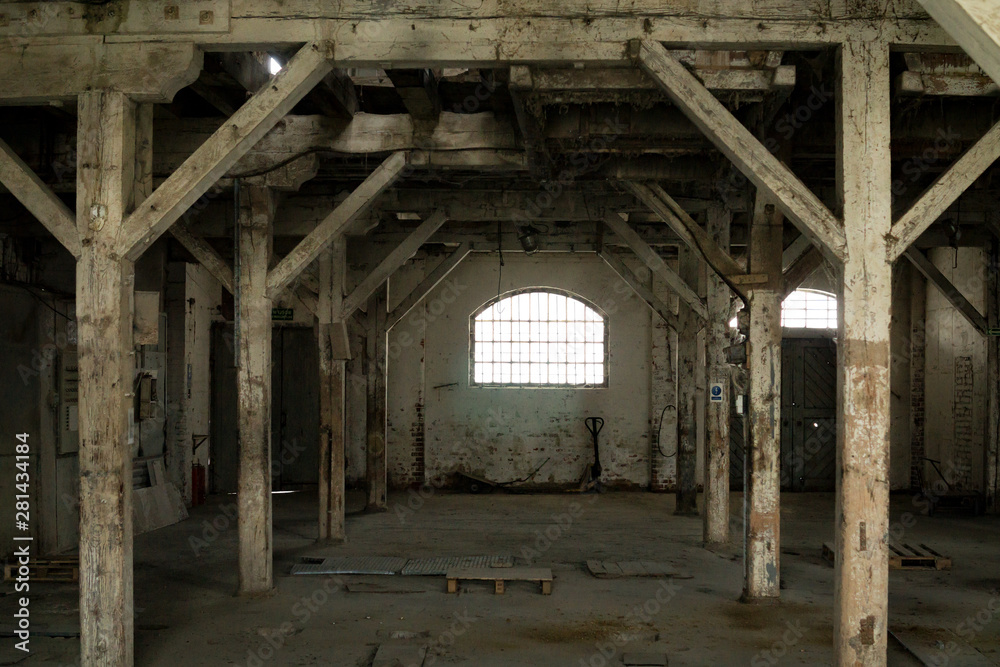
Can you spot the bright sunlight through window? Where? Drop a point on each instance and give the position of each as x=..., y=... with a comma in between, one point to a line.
x=539, y=337
x=807, y=309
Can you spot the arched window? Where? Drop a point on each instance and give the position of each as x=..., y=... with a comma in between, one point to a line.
x=809, y=309
x=541, y=337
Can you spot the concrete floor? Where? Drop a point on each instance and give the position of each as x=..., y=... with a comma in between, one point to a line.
x=186, y=613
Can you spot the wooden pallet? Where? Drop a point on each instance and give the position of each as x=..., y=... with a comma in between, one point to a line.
x=499, y=576
x=919, y=557
x=905, y=557
x=65, y=569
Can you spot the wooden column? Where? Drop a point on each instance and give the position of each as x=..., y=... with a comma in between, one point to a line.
x=104, y=287
x=992, y=449
x=687, y=387
x=254, y=390
x=332, y=396
x=716, y=526
x=376, y=356
x=918, y=385
x=762, y=506
x=862, y=514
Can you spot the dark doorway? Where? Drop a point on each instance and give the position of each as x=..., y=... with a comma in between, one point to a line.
x=808, y=418
x=294, y=410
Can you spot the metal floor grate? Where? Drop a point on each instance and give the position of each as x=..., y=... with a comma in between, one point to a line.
x=353, y=565
x=441, y=565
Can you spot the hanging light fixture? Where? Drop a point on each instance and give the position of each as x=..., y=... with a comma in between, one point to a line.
x=529, y=239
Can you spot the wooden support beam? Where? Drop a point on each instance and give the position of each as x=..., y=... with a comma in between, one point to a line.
x=39, y=199
x=656, y=264
x=532, y=132
x=954, y=296
x=205, y=254
x=336, y=223
x=223, y=149
x=59, y=71
x=253, y=386
x=945, y=85
x=861, y=571
x=331, y=400
x=376, y=348
x=641, y=290
x=696, y=238
x=762, y=506
x=795, y=250
x=803, y=267
x=104, y=285
x=395, y=259
x=213, y=97
x=737, y=143
x=948, y=187
x=431, y=281
x=991, y=452
x=715, y=529
x=975, y=25
x=418, y=89
x=617, y=79
x=688, y=372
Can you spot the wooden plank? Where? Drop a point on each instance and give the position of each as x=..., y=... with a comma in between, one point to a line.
x=945, y=286
x=641, y=290
x=736, y=142
x=656, y=264
x=800, y=270
x=39, y=199
x=694, y=237
x=206, y=255
x=947, y=188
x=939, y=646
x=334, y=224
x=975, y=24
x=946, y=85
x=395, y=259
x=222, y=150
x=431, y=281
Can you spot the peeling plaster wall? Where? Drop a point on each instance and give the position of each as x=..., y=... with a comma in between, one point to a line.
x=956, y=388
x=505, y=433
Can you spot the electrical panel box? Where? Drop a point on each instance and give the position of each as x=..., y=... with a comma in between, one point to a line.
x=68, y=384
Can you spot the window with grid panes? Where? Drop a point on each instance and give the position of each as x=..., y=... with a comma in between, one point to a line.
x=809, y=309
x=541, y=337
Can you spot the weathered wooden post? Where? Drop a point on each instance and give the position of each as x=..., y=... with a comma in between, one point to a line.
x=716, y=524
x=862, y=516
x=254, y=390
x=104, y=284
x=688, y=367
x=333, y=352
x=763, y=505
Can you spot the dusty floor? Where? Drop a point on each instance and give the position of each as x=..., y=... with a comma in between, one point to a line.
x=186, y=613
